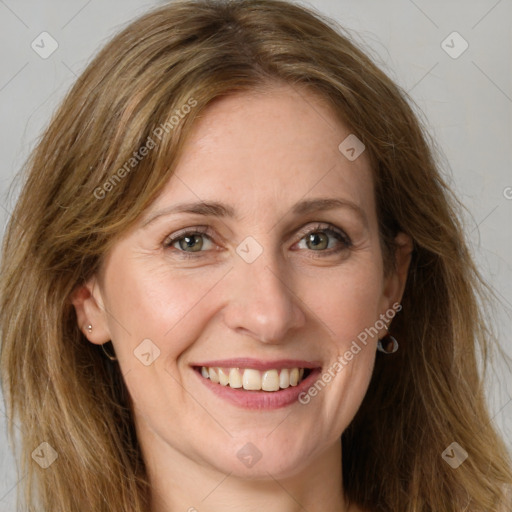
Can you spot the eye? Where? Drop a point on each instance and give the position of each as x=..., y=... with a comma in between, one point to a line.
x=189, y=241
x=324, y=236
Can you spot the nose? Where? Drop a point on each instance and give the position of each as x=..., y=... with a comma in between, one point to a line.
x=262, y=303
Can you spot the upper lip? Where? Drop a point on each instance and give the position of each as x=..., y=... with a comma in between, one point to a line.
x=258, y=364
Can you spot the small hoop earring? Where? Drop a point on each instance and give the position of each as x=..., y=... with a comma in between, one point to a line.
x=387, y=344
x=112, y=358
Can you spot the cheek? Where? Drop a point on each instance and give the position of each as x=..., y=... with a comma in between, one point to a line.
x=162, y=305
x=347, y=299
x=157, y=304
x=151, y=302
x=348, y=387
x=348, y=304
x=350, y=313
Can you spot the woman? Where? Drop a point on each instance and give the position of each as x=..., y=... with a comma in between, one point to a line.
x=225, y=221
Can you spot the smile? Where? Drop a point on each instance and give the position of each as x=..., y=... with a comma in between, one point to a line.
x=251, y=379
x=255, y=384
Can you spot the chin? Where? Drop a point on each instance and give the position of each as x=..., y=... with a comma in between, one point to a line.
x=255, y=460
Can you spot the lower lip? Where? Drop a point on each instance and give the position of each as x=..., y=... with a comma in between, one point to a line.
x=261, y=399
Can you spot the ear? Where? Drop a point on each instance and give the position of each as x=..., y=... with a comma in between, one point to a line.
x=395, y=282
x=88, y=304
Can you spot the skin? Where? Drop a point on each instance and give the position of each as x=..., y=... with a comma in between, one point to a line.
x=260, y=153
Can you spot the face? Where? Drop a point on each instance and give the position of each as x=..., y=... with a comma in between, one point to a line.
x=277, y=276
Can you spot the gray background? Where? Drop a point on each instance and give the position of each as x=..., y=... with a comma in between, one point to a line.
x=467, y=102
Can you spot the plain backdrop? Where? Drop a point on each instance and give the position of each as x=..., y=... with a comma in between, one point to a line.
x=462, y=83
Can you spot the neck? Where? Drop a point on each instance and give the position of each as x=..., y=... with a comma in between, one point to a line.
x=179, y=483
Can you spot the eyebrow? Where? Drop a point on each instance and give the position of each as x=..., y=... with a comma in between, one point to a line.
x=216, y=209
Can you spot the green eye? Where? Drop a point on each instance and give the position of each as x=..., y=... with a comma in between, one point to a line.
x=319, y=239
x=193, y=242
x=322, y=238
x=189, y=241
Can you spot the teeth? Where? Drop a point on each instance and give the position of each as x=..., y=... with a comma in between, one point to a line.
x=284, y=378
x=214, y=377
x=270, y=380
x=254, y=380
x=223, y=377
x=235, y=378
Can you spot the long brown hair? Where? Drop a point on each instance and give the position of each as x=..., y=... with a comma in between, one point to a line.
x=76, y=201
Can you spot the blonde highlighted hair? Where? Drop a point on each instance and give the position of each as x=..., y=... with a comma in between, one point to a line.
x=61, y=388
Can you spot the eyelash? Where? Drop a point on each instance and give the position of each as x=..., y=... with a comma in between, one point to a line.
x=205, y=231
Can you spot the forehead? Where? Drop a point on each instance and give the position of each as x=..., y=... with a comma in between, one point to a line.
x=267, y=148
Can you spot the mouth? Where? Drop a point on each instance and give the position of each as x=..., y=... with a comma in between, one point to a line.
x=251, y=379
x=253, y=384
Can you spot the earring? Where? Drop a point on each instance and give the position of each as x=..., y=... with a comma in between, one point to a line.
x=112, y=358
x=388, y=344
x=89, y=328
